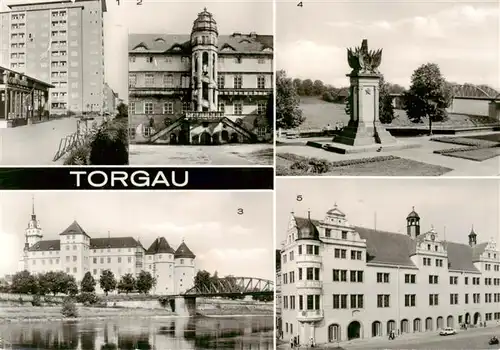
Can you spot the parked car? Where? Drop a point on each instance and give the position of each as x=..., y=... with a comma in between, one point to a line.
x=448, y=331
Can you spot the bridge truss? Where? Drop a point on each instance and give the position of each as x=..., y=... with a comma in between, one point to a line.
x=229, y=286
x=479, y=91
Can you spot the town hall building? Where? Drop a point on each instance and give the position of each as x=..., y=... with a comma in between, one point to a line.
x=76, y=253
x=342, y=282
x=199, y=88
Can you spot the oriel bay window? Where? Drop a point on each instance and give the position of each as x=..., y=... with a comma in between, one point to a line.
x=312, y=273
x=312, y=302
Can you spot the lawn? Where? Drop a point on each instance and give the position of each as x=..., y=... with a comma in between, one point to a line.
x=477, y=155
x=319, y=113
x=293, y=165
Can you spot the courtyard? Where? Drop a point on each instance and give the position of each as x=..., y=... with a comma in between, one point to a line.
x=237, y=154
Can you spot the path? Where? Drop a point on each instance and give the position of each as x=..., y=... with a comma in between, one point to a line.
x=196, y=155
x=34, y=144
x=424, y=154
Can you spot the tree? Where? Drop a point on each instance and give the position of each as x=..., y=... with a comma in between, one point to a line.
x=308, y=87
x=386, y=109
x=24, y=283
x=127, y=283
x=297, y=84
x=288, y=113
x=107, y=281
x=110, y=144
x=88, y=283
x=270, y=111
x=318, y=88
x=230, y=282
x=122, y=109
x=43, y=285
x=145, y=282
x=429, y=94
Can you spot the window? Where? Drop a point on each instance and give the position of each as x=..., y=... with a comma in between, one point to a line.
x=132, y=80
x=148, y=107
x=261, y=108
x=131, y=108
x=453, y=299
x=168, y=108
x=185, y=107
x=109, y=260
x=433, y=299
x=74, y=258
x=433, y=279
x=410, y=278
x=261, y=60
x=150, y=79
x=344, y=234
x=222, y=107
x=356, y=301
x=382, y=277
x=410, y=300
x=149, y=59
x=356, y=276
x=453, y=279
x=221, y=81
x=383, y=300
x=356, y=255
x=340, y=253
x=466, y=280
x=129, y=259
x=340, y=275
x=119, y=259
x=238, y=81
x=238, y=108
x=168, y=80
x=261, y=82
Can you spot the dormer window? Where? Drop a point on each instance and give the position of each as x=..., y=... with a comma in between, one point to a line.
x=436, y=248
x=328, y=232
x=428, y=247
x=344, y=234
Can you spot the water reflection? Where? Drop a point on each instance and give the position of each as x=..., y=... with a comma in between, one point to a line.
x=148, y=334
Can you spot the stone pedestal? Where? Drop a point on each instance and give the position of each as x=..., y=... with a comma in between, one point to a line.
x=364, y=128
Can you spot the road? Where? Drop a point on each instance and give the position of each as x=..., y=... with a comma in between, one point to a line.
x=471, y=339
x=246, y=154
x=34, y=144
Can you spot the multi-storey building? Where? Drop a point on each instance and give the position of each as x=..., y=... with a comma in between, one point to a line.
x=62, y=43
x=76, y=253
x=109, y=100
x=279, y=327
x=342, y=282
x=202, y=88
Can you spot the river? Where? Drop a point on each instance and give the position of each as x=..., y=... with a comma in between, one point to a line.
x=166, y=333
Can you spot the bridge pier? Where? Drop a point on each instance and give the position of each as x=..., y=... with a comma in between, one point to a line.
x=185, y=306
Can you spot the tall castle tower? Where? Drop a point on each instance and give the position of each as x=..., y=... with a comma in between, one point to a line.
x=183, y=269
x=204, y=37
x=413, y=224
x=33, y=232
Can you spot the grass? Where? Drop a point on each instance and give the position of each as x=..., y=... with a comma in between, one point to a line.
x=477, y=155
x=294, y=165
x=319, y=113
x=488, y=137
x=261, y=157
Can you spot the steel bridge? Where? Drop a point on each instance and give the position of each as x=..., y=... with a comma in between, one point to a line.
x=232, y=286
x=474, y=91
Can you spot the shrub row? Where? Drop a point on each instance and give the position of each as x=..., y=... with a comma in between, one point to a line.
x=466, y=142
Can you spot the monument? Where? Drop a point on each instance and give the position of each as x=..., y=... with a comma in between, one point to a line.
x=364, y=128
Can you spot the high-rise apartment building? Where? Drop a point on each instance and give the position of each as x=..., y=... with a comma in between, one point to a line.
x=61, y=43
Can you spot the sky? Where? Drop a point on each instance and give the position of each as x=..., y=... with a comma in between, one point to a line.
x=451, y=206
x=169, y=17
x=461, y=37
x=209, y=223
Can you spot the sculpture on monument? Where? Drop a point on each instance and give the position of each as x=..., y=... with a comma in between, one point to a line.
x=364, y=128
x=361, y=60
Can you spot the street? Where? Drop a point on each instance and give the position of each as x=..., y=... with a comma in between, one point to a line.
x=477, y=338
x=246, y=154
x=34, y=144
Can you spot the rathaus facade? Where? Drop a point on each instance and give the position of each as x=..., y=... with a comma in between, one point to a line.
x=341, y=282
x=199, y=88
x=76, y=253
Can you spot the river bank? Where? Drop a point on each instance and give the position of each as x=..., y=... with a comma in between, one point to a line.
x=27, y=313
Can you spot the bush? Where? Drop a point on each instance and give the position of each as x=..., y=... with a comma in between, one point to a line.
x=49, y=300
x=69, y=309
x=163, y=300
x=87, y=298
x=312, y=165
x=37, y=301
x=21, y=301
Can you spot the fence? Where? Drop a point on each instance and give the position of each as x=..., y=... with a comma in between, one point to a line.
x=76, y=139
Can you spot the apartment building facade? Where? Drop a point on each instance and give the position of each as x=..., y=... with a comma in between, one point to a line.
x=62, y=43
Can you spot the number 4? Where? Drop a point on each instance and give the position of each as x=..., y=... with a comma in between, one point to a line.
x=300, y=4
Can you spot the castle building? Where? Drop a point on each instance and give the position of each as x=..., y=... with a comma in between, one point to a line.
x=342, y=282
x=76, y=253
x=60, y=42
x=199, y=88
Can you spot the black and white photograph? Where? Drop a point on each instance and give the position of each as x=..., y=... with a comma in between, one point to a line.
x=387, y=263
x=153, y=270
x=387, y=88
x=201, y=83
x=62, y=84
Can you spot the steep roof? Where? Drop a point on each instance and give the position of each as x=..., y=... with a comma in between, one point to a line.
x=165, y=43
x=184, y=252
x=160, y=246
x=74, y=229
x=114, y=243
x=307, y=228
x=392, y=248
x=53, y=244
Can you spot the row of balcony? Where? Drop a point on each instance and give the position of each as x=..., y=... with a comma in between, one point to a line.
x=310, y=315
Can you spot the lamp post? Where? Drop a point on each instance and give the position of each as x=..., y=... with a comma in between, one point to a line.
x=430, y=103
